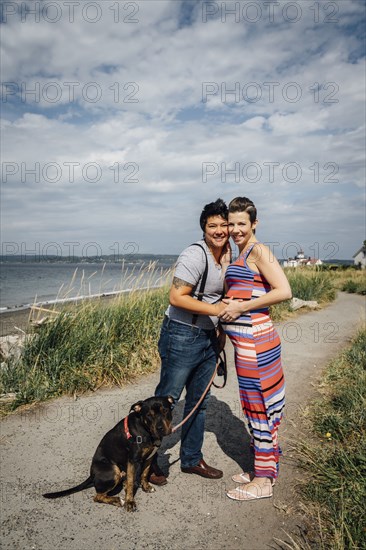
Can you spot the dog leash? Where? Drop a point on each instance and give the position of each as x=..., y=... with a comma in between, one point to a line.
x=221, y=369
x=220, y=365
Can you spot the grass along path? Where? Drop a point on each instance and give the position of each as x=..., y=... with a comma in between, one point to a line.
x=335, y=462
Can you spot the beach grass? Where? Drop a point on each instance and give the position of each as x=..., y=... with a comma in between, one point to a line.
x=88, y=346
x=311, y=284
x=319, y=284
x=353, y=282
x=307, y=284
x=334, y=493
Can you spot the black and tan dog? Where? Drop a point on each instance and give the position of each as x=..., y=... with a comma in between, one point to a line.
x=132, y=442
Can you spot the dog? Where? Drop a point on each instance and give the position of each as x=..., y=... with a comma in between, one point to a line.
x=132, y=442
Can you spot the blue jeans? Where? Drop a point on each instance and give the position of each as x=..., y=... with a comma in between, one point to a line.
x=188, y=359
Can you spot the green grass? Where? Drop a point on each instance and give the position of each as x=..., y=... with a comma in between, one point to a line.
x=306, y=284
x=350, y=280
x=335, y=491
x=87, y=347
x=312, y=285
x=320, y=285
x=355, y=286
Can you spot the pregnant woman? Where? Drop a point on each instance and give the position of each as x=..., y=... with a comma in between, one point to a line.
x=254, y=282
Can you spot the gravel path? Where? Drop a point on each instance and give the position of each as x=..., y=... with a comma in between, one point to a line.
x=50, y=447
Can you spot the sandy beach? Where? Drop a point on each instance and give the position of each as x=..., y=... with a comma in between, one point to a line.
x=12, y=321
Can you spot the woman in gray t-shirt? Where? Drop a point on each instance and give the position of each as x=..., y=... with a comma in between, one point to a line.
x=188, y=344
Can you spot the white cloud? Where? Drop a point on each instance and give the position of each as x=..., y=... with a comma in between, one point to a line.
x=255, y=123
x=296, y=124
x=267, y=117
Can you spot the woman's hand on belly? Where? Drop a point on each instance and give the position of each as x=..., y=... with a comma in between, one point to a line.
x=233, y=309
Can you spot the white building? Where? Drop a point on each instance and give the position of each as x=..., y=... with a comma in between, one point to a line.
x=359, y=258
x=300, y=260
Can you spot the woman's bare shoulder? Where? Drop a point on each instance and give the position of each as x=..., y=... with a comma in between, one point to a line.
x=261, y=252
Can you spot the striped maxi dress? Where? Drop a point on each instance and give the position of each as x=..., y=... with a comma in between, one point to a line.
x=258, y=366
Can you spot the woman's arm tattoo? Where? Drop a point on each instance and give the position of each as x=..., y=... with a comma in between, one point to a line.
x=178, y=283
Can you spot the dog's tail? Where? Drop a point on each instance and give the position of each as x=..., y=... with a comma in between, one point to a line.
x=85, y=485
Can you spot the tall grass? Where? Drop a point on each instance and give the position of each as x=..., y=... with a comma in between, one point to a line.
x=336, y=463
x=312, y=285
x=306, y=284
x=355, y=282
x=346, y=278
x=88, y=346
x=320, y=285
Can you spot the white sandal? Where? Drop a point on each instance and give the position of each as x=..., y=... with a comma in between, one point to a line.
x=242, y=493
x=246, y=477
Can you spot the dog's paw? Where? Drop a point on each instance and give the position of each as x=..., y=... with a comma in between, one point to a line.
x=130, y=506
x=148, y=488
x=122, y=502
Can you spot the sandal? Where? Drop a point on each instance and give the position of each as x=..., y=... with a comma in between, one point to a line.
x=246, y=477
x=244, y=493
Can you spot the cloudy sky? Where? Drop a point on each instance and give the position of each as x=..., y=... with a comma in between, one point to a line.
x=120, y=120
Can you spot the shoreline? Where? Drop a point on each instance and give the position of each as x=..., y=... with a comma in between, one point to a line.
x=55, y=301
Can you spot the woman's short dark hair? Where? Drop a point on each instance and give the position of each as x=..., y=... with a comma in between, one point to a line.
x=243, y=204
x=217, y=208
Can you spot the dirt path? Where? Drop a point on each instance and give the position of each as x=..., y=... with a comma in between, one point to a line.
x=51, y=447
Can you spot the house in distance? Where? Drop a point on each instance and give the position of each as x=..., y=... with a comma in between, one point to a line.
x=299, y=260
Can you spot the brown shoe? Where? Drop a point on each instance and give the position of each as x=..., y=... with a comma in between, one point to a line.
x=204, y=470
x=156, y=476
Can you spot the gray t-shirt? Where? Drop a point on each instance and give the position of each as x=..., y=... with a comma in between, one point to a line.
x=190, y=267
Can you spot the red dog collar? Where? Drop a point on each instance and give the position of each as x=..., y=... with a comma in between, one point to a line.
x=127, y=432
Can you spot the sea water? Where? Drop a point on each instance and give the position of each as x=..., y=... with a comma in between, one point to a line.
x=25, y=283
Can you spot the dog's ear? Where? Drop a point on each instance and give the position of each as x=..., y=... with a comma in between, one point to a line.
x=136, y=407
